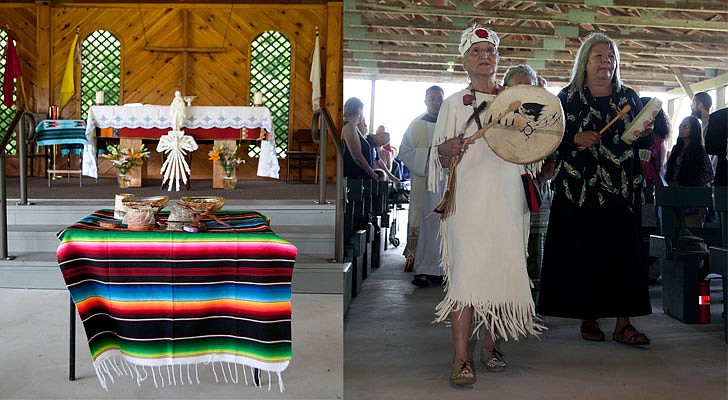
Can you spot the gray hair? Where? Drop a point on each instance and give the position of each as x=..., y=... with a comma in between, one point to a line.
x=578, y=73
x=520, y=69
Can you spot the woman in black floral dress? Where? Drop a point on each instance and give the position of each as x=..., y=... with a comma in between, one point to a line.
x=591, y=267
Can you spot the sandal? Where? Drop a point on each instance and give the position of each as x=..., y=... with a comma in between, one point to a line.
x=590, y=331
x=462, y=373
x=635, y=338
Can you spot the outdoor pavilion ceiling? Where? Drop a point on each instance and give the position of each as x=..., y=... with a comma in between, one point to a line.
x=662, y=42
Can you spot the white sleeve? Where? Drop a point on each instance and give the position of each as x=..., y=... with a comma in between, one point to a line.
x=444, y=129
x=419, y=166
x=407, y=149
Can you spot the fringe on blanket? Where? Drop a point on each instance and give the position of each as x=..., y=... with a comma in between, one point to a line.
x=503, y=320
x=185, y=373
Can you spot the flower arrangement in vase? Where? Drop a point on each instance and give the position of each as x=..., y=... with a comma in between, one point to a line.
x=125, y=160
x=229, y=161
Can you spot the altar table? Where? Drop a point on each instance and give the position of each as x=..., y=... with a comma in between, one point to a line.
x=157, y=301
x=221, y=124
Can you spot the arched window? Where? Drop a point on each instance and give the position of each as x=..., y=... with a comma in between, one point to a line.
x=6, y=114
x=100, y=70
x=270, y=74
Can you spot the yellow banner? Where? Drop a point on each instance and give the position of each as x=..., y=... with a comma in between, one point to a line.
x=68, y=87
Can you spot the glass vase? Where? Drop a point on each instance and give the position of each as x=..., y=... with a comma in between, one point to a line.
x=124, y=180
x=229, y=180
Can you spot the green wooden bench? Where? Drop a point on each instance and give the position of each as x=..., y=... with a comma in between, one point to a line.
x=672, y=199
x=719, y=254
x=681, y=270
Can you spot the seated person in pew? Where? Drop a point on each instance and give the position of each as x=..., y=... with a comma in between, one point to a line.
x=383, y=157
x=379, y=141
x=386, y=152
x=359, y=155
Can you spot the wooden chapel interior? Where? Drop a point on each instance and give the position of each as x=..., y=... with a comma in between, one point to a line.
x=200, y=47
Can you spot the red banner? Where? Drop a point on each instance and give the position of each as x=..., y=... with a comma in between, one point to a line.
x=12, y=71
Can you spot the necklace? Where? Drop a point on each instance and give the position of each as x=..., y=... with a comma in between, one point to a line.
x=476, y=114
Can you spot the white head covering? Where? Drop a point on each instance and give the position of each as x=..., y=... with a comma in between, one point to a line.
x=477, y=34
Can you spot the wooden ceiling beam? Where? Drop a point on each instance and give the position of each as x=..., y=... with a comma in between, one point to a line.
x=684, y=84
x=628, y=58
x=583, y=16
x=416, y=76
x=461, y=78
x=396, y=39
x=564, y=73
x=452, y=49
x=657, y=5
x=356, y=33
x=702, y=86
x=449, y=27
x=508, y=57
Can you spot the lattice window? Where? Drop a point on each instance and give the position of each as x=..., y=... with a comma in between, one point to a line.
x=6, y=114
x=101, y=69
x=270, y=74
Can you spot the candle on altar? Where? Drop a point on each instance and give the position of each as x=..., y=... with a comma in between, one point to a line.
x=99, y=97
x=258, y=99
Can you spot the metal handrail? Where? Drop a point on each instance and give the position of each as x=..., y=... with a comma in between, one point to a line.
x=322, y=123
x=15, y=126
x=22, y=140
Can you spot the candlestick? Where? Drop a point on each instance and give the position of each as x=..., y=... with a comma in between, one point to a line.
x=258, y=99
x=99, y=97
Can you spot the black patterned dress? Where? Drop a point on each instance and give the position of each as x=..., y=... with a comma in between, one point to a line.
x=591, y=265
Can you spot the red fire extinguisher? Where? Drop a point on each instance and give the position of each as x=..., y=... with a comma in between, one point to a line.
x=704, y=302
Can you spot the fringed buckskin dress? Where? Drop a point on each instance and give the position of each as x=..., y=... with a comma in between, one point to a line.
x=484, y=240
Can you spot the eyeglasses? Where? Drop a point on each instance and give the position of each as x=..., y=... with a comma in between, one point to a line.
x=476, y=52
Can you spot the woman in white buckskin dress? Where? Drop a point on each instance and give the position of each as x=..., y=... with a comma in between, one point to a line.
x=484, y=240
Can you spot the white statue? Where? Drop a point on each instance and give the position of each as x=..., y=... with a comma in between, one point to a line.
x=177, y=111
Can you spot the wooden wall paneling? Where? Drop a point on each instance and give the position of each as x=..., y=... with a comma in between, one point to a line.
x=334, y=69
x=47, y=29
x=298, y=25
x=23, y=27
x=22, y=22
x=152, y=77
x=42, y=79
x=216, y=78
x=63, y=30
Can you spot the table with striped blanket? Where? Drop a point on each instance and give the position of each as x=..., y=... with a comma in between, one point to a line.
x=158, y=305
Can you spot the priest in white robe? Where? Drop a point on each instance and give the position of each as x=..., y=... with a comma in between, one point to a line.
x=423, y=243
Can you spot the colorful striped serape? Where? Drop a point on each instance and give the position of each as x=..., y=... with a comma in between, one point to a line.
x=157, y=304
x=61, y=131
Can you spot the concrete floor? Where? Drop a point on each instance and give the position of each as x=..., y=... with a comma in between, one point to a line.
x=34, y=355
x=392, y=351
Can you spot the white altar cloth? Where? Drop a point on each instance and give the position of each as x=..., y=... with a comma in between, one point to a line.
x=152, y=116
